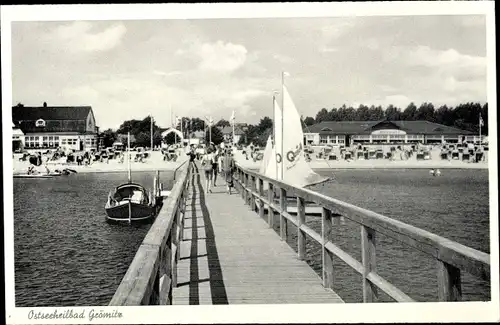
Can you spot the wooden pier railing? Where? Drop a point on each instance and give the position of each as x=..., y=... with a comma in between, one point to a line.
x=451, y=257
x=152, y=274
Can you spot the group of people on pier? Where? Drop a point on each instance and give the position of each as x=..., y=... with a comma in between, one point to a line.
x=216, y=160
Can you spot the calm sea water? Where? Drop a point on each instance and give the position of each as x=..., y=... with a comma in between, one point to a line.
x=66, y=254
x=454, y=206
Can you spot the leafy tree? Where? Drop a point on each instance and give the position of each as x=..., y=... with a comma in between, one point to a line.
x=172, y=138
x=309, y=121
x=265, y=123
x=409, y=112
x=197, y=124
x=322, y=115
x=392, y=113
x=108, y=137
x=223, y=123
x=216, y=135
x=362, y=113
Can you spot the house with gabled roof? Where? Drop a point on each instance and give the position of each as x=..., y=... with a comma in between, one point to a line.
x=51, y=127
x=227, y=132
x=384, y=132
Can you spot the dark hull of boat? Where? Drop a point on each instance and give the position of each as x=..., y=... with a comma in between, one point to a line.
x=138, y=212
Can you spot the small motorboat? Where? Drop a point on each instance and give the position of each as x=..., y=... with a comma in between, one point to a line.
x=130, y=202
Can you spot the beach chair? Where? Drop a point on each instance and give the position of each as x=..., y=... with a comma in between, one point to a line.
x=420, y=156
x=332, y=156
x=455, y=155
x=427, y=155
x=444, y=155
x=379, y=154
x=479, y=156
x=347, y=156
x=360, y=155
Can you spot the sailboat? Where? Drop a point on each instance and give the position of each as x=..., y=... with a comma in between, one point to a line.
x=129, y=202
x=285, y=160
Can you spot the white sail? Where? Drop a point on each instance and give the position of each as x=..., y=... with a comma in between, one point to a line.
x=296, y=170
x=267, y=153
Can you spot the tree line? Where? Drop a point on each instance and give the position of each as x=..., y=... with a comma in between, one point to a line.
x=463, y=116
x=141, y=132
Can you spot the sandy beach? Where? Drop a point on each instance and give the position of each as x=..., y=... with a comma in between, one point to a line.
x=412, y=162
x=154, y=162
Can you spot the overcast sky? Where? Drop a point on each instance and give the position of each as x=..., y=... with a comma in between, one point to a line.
x=128, y=69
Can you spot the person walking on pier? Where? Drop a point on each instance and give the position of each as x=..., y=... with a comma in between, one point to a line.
x=215, y=165
x=207, y=162
x=226, y=167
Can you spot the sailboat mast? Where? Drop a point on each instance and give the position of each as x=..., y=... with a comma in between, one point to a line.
x=128, y=158
x=282, y=113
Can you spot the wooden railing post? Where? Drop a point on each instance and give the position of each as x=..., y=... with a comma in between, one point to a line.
x=245, y=190
x=270, y=211
x=176, y=243
x=301, y=235
x=327, y=256
x=168, y=269
x=368, y=249
x=449, y=282
x=253, y=187
x=283, y=220
x=261, y=197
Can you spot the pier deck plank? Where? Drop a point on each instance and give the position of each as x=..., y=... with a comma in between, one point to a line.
x=229, y=255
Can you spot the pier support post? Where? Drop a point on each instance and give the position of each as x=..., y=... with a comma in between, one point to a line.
x=261, y=197
x=449, y=282
x=370, y=293
x=327, y=257
x=270, y=211
x=301, y=235
x=283, y=220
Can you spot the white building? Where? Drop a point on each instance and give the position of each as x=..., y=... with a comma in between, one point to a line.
x=51, y=127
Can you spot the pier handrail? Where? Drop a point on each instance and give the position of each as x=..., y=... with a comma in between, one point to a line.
x=451, y=257
x=178, y=167
x=153, y=273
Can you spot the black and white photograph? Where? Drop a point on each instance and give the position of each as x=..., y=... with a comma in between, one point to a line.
x=293, y=162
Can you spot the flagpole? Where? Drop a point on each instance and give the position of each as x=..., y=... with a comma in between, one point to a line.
x=233, y=126
x=182, y=140
x=480, y=124
x=210, y=130
x=151, y=118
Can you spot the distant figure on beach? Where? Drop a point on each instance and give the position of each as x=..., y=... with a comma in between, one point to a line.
x=207, y=163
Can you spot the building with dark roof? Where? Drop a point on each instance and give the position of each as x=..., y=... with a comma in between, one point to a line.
x=380, y=132
x=50, y=127
x=227, y=132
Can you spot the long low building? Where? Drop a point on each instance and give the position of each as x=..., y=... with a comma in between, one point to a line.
x=384, y=132
x=51, y=127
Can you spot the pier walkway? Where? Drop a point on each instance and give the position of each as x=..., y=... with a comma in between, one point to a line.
x=229, y=255
x=217, y=248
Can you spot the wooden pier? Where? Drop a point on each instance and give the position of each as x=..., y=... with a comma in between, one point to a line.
x=217, y=248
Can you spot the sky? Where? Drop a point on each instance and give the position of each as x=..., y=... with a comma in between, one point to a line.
x=208, y=67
